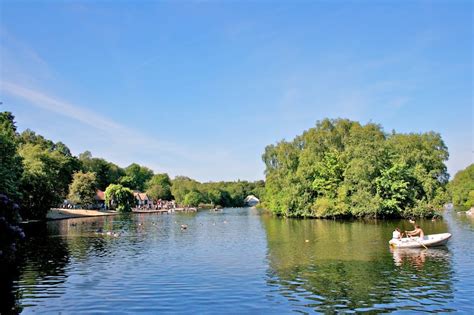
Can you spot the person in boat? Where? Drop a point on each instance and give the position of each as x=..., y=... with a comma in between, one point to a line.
x=397, y=234
x=416, y=232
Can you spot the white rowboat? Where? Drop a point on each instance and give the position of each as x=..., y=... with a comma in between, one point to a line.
x=427, y=241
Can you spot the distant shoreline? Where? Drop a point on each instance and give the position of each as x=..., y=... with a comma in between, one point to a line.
x=60, y=214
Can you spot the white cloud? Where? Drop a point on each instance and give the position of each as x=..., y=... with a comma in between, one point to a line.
x=125, y=145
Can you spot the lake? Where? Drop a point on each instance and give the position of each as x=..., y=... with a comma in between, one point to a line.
x=238, y=261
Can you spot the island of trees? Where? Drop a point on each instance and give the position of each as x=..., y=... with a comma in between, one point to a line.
x=341, y=168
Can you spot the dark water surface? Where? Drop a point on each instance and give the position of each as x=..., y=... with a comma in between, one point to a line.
x=238, y=261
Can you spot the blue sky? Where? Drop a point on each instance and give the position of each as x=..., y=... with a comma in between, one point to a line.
x=199, y=88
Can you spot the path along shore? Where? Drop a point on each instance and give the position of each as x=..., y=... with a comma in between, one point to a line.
x=58, y=214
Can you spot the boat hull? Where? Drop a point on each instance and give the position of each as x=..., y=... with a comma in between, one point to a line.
x=415, y=242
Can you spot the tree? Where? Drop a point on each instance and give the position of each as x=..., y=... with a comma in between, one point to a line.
x=11, y=169
x=159, y=187
x=48, y=169
x=343, y=168
x=395, y=187
x=182, y=185
x=136, y=176
x=38, y=195
x=226, y=194
x=193, y=198
x=106, y=172
x=119, y=197
x=55, y=156
x=11, y=166
x=83, y=189
x=214, y=196
x=127, y=181
x=461, y=188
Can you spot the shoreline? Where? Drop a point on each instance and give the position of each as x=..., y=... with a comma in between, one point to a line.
x=60, y=214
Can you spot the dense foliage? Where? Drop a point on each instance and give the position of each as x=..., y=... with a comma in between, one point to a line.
x=136, y=177
x=187, y=191
x=48, y=170
x=119, y=197
x=461, y=188
x=159, y=187
x=342, y=168
x=106, y=172
x=83, y=189
x=38, y=174
x=11, y=168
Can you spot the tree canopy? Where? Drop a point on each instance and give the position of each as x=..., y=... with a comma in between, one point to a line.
x=11, y=166
x=159, y=187
x=226, y=194
x=136, y=176
x=461, y=188
x=83, y=189
x=11, y=169
x=343, y=168
x=119, y=197
x=106, y=172
x=48, y=170
x=39, y=173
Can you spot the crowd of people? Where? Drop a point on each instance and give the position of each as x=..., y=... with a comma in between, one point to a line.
x=158, y=205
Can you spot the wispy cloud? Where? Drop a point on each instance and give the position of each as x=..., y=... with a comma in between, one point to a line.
x=26, y=76
x=115, y=131
x=59, y=106
x=128, y=145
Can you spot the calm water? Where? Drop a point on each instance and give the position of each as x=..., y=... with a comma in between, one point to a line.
x=238, y=261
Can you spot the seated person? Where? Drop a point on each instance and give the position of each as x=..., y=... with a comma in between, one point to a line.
x=397, y=235
x=416, y=232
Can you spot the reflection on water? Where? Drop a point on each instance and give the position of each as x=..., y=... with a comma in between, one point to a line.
x=417, y=256
x=235, y=261
x=333, y=266
x=38, y=271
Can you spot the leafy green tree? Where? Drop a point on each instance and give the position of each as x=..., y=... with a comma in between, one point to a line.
x=226, y=194
x=193, y=198
x=461, y=188
x=48, y=169
x=343, y=168
x=119, y=197
x=214, y=196
x=328, y=174
x=159, y=187
x=83, y=189
x=182, y=185
x=38, y=195
x=394, y=186
x=107, y=173
x=11, y=169
x=127, y=181
x=11, y=166
x=57, y=155
x=136, y=177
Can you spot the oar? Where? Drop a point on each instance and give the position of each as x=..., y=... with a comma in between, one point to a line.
x=418, y=242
